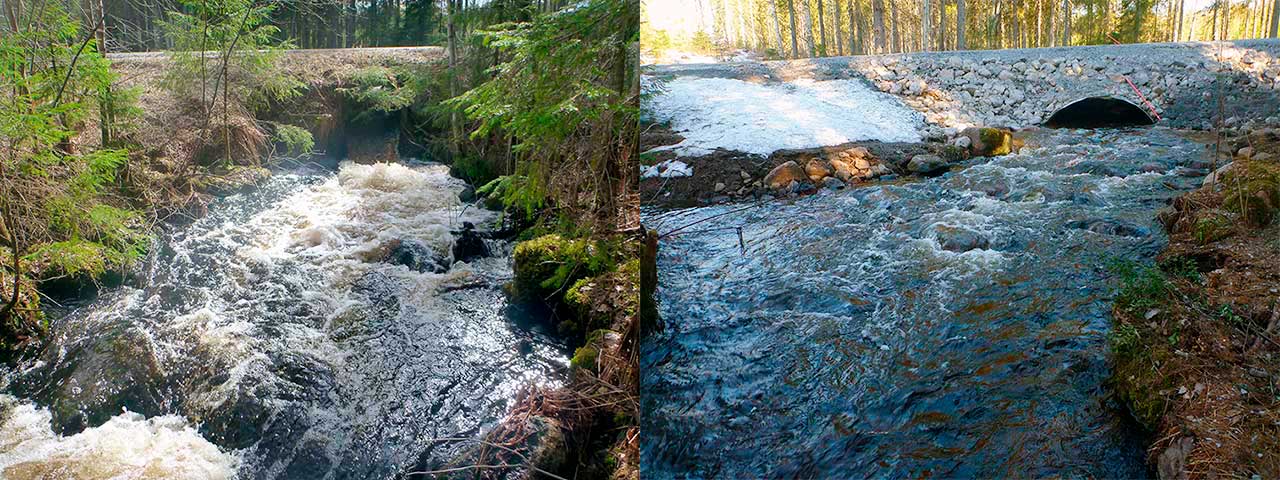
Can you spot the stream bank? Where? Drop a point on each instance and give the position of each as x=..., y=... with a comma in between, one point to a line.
x=1195, y=339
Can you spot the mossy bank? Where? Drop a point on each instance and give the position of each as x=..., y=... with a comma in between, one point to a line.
x=1196, y=337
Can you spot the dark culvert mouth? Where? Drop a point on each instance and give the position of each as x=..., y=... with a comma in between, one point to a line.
x=1099, y=112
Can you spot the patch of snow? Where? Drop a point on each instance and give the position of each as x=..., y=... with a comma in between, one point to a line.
x=668, y=169
x=736, y=115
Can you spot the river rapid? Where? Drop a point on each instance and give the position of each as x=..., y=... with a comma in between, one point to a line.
x=945, y=327
x=269, y=339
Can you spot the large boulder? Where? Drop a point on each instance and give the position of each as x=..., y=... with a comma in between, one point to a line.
x=782, y=175
x=988, y=142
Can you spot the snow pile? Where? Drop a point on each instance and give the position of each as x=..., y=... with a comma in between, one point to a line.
x=736, y=115
x=668, y=169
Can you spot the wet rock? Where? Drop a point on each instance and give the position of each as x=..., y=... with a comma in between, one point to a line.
x=926, y=164
x=720, y=186
x=832, y=183
x=784, y=174
x=418, y=257
x=960, y=239
x=88, y=382
x=817, y=170
x=469, y=245
x=467, y=194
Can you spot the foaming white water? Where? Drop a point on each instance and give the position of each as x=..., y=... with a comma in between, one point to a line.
x=126, y=447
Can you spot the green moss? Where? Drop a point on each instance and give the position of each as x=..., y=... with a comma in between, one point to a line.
x=1253, y=191
x=579, y=296
x=1212, y=227
x=549, y=264
x=998, y=142
x=27, y=319
x=1142, y=287
x=585, y=357
x=1138, y=380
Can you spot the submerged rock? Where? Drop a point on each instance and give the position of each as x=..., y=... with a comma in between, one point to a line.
x=926, y=164
x=1109, y=227
x=960, y=239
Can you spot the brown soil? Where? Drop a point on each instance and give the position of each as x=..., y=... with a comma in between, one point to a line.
x=1202, y=369
x=742, y=173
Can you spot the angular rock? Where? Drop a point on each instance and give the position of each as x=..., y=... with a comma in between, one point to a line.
x=817, y=170
x=843, y=170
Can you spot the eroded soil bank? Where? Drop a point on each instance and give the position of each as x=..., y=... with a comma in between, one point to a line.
x=1196, y=337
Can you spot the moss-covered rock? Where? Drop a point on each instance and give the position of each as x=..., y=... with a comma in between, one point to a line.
x=988, y=142
x=585, y=357
x=549, y=264
x=1136, y=376
x=1253, y=191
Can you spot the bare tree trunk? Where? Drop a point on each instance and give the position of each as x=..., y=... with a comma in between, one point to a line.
x=451, y=32
x=998, y=22
x=839, y=44
x=855, y=31
x=1275, y=19
x=942, y=25
x=808, y=28
x=1066, y=23
x=1178, y=33
x=897, y=41
x=1039, y=23
x=777, y=29
x=924, y=24
x=877, y=24
x=822, y=28
x=960, y=26
x=795, y=50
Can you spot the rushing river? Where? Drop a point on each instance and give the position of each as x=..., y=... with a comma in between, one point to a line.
x=268, y=340
x=947, y=327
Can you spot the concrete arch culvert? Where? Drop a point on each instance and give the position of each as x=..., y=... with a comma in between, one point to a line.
x=1099, y=112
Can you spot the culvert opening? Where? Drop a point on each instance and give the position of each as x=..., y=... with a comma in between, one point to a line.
x=1099, y=112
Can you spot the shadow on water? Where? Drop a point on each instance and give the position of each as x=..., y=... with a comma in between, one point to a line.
x=272, y=329
x=948, y=327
